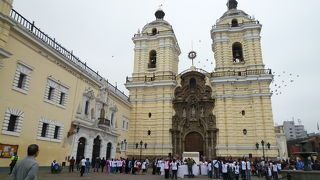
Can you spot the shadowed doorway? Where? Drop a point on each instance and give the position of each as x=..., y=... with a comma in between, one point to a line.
x=194, y=143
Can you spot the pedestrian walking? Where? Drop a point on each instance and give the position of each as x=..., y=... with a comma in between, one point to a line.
x=71, y=165
x=82, y=165
x=28, y=167
x=14, y=160
x=103, y=164
x=87, y=164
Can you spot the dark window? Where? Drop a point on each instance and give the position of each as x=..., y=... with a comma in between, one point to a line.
x=154, y=31
x=44, y=129
x=234, y=23
x=243, y=112
x=237, y=52
x=51, y=91
x=12, y=122
x=86, y=108
x=56, y=132
x=62, y=95
x=112, y=116
x=22, y=79
x=193, y=83
x=152, y=59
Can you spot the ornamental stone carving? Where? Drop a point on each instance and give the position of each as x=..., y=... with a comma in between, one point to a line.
x=193, y=105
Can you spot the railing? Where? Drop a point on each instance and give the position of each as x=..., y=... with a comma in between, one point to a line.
x=151, y=65
x=242, y=73
x=238, y=25
x=51, y=42
x=103, y=121
x=152, y=78
x=154, y=34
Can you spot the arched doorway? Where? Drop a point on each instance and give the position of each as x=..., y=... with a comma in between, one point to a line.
x=109, y=147
x=194, y=143
x=81, y=148
x=96, y=149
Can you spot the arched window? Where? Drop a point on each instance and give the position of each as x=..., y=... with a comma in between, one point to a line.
x=109, y=147
x=193, y=83
x=237, y=52
x=152, y=59
x=154, y=31
x=234, y=23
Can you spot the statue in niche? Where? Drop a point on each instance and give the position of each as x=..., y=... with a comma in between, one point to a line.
x=102, y=113
x=184, y=114
x=202, y=112
x=193, y=111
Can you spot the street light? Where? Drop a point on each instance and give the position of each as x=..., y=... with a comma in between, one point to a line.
x=141, y=147
x=262, y=144
x=78, y=127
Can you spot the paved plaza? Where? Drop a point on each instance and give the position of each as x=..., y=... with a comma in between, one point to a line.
x=44, y=175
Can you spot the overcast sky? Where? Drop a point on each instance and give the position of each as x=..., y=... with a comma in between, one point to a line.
x=100, y=32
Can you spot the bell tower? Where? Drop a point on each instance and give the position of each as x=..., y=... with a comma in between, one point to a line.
x=151, y=87
x=241, y=82
x=236, y=41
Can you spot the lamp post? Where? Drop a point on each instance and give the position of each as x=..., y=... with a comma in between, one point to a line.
x=141, y=147
x=262, y=144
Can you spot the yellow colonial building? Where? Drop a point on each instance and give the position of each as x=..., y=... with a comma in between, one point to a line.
x=220, y=113
x=50, y=98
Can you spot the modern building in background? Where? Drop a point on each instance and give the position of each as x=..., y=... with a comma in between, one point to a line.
x=293, y=131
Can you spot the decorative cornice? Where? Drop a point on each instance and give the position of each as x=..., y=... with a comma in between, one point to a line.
x=238, y=67
x=235, y=29
x=241, y=79
x=151, y=84
x=4, y=54
x=243, y=95
x=243, y=148
x=151, y=99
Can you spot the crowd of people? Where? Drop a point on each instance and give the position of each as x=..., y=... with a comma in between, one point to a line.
x=225, y=168
x=219, y=168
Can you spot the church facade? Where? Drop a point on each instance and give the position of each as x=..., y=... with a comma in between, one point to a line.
x=225, y=112
x=51, y=98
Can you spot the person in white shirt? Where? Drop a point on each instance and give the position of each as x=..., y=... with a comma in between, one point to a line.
x=243, y=169
x=274, y=171
x=215, y=164
x=248, y=171
x=159, y=162
x=237, y=170
x=119, y=166
x=144, y=167
x=83, y=166
x=174, y=168
x=210, y=169
x=113, y=166
x=224, y=170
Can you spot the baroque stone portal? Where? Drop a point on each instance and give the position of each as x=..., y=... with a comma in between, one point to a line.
x=194, y=125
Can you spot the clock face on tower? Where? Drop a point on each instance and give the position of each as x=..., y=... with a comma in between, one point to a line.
x=192, y=55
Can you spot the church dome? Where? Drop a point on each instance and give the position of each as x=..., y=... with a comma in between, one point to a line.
x=159, y=22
